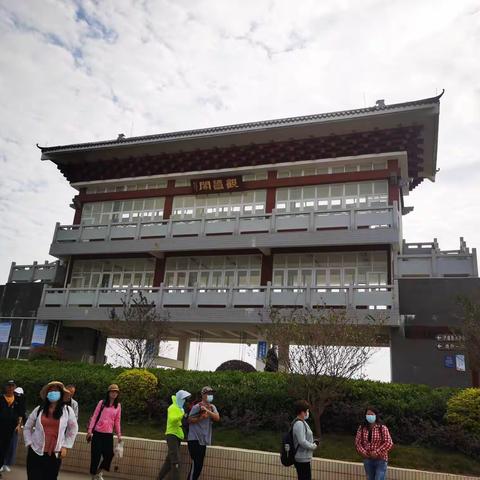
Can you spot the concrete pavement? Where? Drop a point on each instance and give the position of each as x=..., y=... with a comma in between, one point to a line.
x=20, y=473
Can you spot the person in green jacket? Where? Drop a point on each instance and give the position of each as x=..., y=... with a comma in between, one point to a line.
x=174, y=435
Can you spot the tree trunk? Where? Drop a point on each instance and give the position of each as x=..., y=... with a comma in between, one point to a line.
x=475, y=379
x=317, y=424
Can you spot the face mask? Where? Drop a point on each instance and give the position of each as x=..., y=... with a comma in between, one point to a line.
x=307, y=415
x=181, y=402
x=209, y=398
x=371, y=418
x=53, y=396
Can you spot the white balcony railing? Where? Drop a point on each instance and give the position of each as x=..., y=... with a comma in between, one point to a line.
x=349, y=219
x=427, y=260
x=37, y=272
x=373, y=297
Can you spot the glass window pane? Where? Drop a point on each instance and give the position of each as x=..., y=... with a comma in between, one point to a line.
x=321, y=278
x=292, y=278
x=278, y=278
x=335, y=277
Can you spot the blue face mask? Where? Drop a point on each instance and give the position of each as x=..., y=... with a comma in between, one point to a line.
x=209, y=398
x=53, y=396
x=371, y=418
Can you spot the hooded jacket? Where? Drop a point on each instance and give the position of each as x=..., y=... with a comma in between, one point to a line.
x=175, y=415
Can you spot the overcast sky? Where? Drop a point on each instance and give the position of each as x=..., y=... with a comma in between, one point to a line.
x=74, y=71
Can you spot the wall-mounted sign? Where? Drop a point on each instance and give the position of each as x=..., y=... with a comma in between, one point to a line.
x=5, y=328
x=261, y=350
x=39, y=334
x=449, y=361
x=217, y=185
x=449, y=337
x=460, y=363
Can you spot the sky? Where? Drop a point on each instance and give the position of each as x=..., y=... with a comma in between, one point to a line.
x=74, y=71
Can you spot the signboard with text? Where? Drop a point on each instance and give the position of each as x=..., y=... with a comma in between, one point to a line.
x=5, y=328
x=262, y=350
x=217, y=185
x=449, y=361
x=39, y=334
x=460, y=363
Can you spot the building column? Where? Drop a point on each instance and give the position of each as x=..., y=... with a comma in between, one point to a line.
x=393, y=183
x=283, y=352
x=271, y=192
x=183, y=352
x=168, y=205
x=159, y=274
x=266, y=272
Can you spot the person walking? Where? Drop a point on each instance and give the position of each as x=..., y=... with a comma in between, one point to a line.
x=174, y=435
x=373, y=442
x=12, y=411
x=200, y=420
x=69, y=400
x=11, y=454
x=106, y=420
x=50, y=430
x=303, y=441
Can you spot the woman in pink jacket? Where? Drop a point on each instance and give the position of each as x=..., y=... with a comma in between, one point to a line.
x=103, y=423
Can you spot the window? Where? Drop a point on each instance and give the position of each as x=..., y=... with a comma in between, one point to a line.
x=123, y=211
x=334, y=196
x=219, y=205
x=306, y=170
x=115, y=187
x=213, y=271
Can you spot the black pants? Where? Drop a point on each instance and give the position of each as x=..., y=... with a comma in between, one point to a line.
x=172, y=461
x=304, y=470
x=45, y=467
x=197, y=453
x=6, y=435
x=101, y=449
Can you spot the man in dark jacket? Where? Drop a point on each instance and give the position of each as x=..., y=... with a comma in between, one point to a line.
x=12, y=411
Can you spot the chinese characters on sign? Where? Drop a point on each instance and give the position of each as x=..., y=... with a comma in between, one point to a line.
x=449, y=341
x=217, y=185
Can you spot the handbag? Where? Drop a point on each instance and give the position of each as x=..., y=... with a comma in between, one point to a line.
x=89, y=439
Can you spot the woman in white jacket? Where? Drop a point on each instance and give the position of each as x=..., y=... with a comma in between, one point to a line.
x=50, y=430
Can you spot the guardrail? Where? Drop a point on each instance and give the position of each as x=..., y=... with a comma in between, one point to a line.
x=378, y=297
x=43, y=272
x=350, y=219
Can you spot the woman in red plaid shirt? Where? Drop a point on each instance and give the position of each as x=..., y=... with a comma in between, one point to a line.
x=373, y=442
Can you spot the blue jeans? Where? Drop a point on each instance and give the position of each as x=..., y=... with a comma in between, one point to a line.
x=375, y=469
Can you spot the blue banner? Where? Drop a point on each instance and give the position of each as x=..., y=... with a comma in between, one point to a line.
x=5, y=328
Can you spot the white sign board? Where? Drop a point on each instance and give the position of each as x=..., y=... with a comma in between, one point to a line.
x=39, y=334
x=460, y=363
x=5, y=328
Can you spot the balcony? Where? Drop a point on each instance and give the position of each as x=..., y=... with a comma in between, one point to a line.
x=228, y=305
x=316, y=228
x=427, y=260
x=50, y=273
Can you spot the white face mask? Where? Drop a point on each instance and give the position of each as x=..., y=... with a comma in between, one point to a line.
x=307, y=415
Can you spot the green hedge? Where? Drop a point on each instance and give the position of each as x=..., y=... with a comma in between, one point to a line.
x=414, y=413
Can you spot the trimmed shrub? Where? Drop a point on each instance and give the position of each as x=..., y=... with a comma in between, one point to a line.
x=46, y=353
x=463, y=410
x=235, y=365
x=137, y=388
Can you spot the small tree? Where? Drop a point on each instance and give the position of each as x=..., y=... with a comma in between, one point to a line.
x=322, y=349
x=138, y=331
x=470, y=336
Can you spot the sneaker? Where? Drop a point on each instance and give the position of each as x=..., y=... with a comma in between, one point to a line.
x=6, y=468
x=2, y=469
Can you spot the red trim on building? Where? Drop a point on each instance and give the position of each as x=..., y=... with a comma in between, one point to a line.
x=271, y=193
x=168, y=205
x=270, y=184
x=159, y=275
x=266, y=273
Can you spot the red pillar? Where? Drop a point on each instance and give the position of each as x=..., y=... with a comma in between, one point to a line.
x=168, y=205
x=159, y=274
x=266, y=273
x=393, y=184
x=271, y=192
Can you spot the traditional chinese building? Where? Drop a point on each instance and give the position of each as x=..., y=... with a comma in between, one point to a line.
x=217, y=225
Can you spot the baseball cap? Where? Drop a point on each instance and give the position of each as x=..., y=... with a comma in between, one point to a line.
x=10, y=382
x=207, y=389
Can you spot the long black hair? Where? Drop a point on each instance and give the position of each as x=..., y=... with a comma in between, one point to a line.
x=378, y=421
x=58, y=412
x=106, y=401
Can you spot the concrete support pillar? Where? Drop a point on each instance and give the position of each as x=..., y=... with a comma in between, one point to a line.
x=283, y=351
x=183, y=353
x=271, y=192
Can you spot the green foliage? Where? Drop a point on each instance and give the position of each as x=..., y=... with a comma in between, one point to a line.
x=137, y=387
x=463, y=410
x=46, y=353
x=235, y=365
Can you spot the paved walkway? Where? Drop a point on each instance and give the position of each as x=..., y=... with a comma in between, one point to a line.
x=19, y=473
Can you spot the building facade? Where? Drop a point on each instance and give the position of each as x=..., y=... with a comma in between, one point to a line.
x=218, y=225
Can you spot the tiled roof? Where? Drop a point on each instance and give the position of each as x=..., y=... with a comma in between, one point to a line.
x=244, y=127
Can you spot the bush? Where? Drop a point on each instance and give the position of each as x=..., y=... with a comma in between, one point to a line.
x=46, y=353
x=463, y=410
x=235, y=365
x=137, y=388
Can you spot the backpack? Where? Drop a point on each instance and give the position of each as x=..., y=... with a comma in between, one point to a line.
x=185, y=424
x=288, y=450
